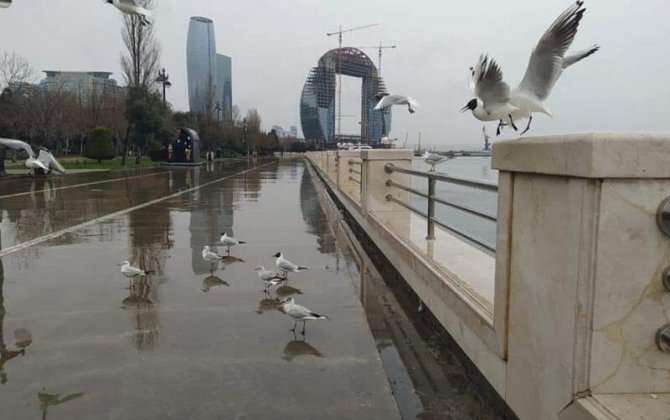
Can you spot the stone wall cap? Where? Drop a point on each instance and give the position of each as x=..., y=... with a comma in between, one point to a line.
x=587, y=155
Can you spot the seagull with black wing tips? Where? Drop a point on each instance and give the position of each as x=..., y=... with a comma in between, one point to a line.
x=433, y=159
x=229, y=241
x=299, y=313
x=286, y=266
x=493, y=97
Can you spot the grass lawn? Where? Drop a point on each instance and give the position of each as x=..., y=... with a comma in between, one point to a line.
x=85, y=163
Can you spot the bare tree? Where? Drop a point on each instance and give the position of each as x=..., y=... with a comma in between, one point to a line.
x=14, y=69
x=253, y=121
x=140, y=65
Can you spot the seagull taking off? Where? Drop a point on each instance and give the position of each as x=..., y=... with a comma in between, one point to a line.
x=130, y=7
x=433, y=159
x=299, y=313
x=386, y=100
x=285, y=265
x=229, y=241
x=44, y=162
x=493, y=98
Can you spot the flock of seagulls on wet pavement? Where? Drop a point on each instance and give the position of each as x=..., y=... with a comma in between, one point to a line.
x=270, y=279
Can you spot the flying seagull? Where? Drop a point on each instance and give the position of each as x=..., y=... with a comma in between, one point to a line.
x=285, y=265
x=229, y=241
x=43, y=162
x=493, y=98
x=433, y=159
x=130, y=7
x=299, y=313
x=386, y=100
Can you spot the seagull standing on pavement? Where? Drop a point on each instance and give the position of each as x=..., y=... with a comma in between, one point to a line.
x=210, y=256
x=493, y=98
x=270, y=278
x=132, y=272
x=386, y=100
x=299, y=313
x=229, y=241
x=130, y=7
x=286, y=266
x=433, y=159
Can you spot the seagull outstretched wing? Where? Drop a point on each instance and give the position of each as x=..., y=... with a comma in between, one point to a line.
x=489, y=85
x=546, y=60
x=48, y=160
x=18, y=145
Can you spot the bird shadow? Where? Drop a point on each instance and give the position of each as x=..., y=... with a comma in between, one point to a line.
x=299, y=347
x=268, y=304
x=213, y=281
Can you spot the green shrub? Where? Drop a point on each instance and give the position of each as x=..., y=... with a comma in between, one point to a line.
x=99, y=145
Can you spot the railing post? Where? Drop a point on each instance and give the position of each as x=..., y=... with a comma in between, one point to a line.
x=365, y=179
x=431, y=208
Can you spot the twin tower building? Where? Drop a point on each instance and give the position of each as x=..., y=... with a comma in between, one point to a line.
x=210, y=81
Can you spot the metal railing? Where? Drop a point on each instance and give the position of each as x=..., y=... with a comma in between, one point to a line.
x=358, y=172
x=429, y=215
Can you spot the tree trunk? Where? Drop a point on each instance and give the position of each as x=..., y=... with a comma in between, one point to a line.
x=125, y=146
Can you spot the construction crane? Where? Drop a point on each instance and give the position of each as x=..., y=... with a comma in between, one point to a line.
x=379, y=47
x=339, y=67
x=340, y=32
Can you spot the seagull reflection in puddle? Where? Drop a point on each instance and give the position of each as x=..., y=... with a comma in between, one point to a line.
x=51, y=400
x=141, y=304
x=213, y=281
x=288, y=291
x=268, y=304
x=296, y=348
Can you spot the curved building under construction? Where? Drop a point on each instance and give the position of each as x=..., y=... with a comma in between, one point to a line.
x=317, y=105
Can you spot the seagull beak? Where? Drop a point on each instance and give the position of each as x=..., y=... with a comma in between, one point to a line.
x=465, y=108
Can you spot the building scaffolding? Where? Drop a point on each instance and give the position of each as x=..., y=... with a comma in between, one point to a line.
x=318, y=102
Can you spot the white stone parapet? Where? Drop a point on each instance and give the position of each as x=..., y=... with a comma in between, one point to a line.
x=570, y=332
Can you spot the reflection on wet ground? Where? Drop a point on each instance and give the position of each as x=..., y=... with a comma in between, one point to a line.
x=181, y=342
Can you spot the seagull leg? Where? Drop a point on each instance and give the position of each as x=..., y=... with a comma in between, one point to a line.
x=294, y=325
x=500, y=124
x=511, y=121
x=411, y=111
x=530, y=119
x=304, y=324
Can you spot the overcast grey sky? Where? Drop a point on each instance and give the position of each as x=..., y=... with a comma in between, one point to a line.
x=625, y=86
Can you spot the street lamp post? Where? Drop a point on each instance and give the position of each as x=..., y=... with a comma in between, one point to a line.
x=217, y=108
x=164, y=79
x=244, y=138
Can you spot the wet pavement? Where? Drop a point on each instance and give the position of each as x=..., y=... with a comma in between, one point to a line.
x=183, y=343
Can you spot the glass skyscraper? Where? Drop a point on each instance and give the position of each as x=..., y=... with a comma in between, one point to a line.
x=210, y=78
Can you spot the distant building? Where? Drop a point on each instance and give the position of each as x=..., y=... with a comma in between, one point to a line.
x=225, y=80
x=209, y=74
x=280, y=131
x=294, y=131
x=80, y=83
x=22, y=88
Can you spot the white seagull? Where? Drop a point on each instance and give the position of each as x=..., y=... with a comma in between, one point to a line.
x=494, y=100
x=210, y=256
x=299, y=313
x=130, y=7
x=285, y=265
x=386, y=100
x=270, y=278
x=229, y=241
x=132, y=272
x=44, y=161
x=433, y=159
